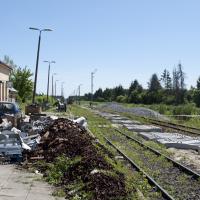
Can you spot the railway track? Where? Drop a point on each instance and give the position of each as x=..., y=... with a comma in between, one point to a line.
x=179, y=165
x=175, y=126
x=173, y=180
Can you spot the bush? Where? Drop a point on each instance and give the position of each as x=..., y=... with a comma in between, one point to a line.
x=197, y=98
x=121, y=99
x=134, y=97
x=162, y=109
x=100, y=99
x=187, y=109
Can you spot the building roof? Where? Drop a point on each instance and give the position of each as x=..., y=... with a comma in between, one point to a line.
x=5, y=65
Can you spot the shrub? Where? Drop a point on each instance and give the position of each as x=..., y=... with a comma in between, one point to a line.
x=121, y=99
x=187, y=109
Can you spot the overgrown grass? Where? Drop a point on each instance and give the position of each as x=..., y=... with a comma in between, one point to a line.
x=134, y=181
x=169, y=111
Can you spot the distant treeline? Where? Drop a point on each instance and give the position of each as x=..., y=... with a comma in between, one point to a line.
x=168, y=89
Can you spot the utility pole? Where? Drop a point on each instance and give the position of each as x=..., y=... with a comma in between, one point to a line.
x=74, y=95
x=62, y=92
x=55, y=87
x=92, y=85
x=79, y=93
x=48, y=77
x=52, y=85
x=37, y=59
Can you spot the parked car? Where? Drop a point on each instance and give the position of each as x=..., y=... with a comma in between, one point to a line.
x=11, y=111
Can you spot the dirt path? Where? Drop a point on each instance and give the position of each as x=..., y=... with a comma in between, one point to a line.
x=18, y=184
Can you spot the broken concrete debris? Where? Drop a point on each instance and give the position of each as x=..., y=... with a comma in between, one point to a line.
x=87, y=162
x=48, y=139
x=28, y=135
x=13, y=141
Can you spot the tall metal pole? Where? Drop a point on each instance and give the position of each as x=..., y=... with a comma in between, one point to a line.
x=48, y=77
x=36, y=68
x=92, y=85
x=37, y=59
x=61, y=89
x=48, y=83
x=79, y=93
x=52, y=86
x=55, y=88
x=62, y=93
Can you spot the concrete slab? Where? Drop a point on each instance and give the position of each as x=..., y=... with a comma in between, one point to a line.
x=129, y=122
x=174, y=140
x=107, y=115
x=118, y=118
x=21, y=185
x=143, y=128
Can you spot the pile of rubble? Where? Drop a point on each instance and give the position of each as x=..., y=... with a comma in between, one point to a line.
x=14, y=141
x=67, y=138
x=138, y=111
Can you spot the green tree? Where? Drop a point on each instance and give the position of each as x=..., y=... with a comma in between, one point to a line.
x=118, y=91
x=107, y=94
x=154, y=84
x=22, y=82
x=196, y=94
x=98, y=93
x=166, y=79
x=179, y=84
x=134, y=85
x=198, y=83
x=197, y=97
x=135, y=97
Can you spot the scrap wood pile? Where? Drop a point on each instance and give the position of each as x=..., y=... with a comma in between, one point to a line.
x=68, y=139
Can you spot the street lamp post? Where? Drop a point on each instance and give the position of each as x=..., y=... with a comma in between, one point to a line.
x=62, y=92
x=55, y=87
x=37, y=59
x=92, y=85
x=79, y=93
x=48, y=77
x=52, y=83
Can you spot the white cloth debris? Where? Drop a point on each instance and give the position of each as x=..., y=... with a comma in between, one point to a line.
x=25, y=146
x=81, y=121
x=27, y=118
x=5, y=124
x=94, y=171
x=15, y=130
x=54, y=117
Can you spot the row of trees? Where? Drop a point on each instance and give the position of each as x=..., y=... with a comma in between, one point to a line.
x=170, y=88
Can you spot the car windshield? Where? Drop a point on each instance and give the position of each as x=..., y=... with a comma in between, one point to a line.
x=7, y=108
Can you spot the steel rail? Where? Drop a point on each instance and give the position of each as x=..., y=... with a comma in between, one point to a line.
x=175, y=163
x=175, y=124
x=179, y=127
x=149, y=178
x=175, y=127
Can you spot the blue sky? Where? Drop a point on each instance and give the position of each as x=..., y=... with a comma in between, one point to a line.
x=123, y=39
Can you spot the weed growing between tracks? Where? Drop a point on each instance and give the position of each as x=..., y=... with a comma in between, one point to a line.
x=172, y=179
x=101, y=127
